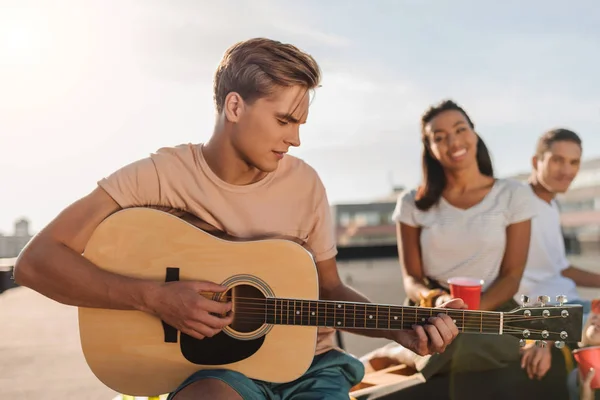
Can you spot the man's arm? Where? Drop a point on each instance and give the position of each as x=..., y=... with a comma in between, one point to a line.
x=53, y=265
x=433, y=337
x=582, y=277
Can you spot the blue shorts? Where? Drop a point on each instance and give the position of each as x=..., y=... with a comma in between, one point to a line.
x=331, y=376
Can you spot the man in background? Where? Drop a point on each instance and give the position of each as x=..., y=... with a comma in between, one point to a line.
x=548, y=271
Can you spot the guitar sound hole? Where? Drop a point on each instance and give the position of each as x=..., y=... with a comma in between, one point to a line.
x=248, y=308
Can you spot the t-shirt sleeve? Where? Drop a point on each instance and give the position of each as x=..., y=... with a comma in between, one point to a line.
x=564, y=262
x=406, y=209
x=522, y=206
x=134, y=185
x=321, y=238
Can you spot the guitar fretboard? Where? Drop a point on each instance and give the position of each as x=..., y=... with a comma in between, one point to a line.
x=372, y=316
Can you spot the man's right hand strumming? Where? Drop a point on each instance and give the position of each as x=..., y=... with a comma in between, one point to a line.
x=181, y=305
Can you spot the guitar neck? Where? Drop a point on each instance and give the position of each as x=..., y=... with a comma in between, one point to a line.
x=349, y=315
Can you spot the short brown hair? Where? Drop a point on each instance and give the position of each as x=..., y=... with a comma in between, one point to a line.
x=555, y=135
x=254, y=68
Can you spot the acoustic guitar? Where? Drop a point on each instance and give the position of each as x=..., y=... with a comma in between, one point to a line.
x=274, y=289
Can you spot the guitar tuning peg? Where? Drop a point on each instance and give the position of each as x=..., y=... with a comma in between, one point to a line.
x=559, y=345
x=540, y=343
x=522, y=342
x=543, y=300
x=524, y=300
x=561, y=299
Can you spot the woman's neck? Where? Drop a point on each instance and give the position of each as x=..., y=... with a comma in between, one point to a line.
x=466, y=179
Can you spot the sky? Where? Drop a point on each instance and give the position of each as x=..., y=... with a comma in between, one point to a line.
x=87, y=87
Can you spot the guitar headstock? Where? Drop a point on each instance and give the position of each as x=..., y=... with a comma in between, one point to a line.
x=544, y=321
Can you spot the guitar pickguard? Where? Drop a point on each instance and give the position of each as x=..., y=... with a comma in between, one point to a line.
x=219, y=349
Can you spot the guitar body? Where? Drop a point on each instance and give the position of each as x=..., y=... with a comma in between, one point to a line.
x=135, y=353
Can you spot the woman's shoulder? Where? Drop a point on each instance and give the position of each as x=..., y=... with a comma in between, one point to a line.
x=408, y=195
x=406, y=210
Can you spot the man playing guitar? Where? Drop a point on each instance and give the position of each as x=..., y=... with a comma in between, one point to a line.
x=242, y=182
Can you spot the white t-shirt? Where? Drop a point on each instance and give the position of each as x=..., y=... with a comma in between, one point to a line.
x=547, y=257
x=471, y=242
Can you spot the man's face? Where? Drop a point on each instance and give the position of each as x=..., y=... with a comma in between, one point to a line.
x=268, y=127
x=557, y=167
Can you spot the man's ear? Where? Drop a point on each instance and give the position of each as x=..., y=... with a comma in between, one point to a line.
x=234, y=107
x=534, y=162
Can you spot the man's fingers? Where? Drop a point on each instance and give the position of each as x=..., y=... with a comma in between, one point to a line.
x=200, y=329
x=422, y=340
x=192, y=333
x=445, y=328
x=435, y=338
x=206, y=286
x=213, y=306
x=216, y=322
x=450, y=325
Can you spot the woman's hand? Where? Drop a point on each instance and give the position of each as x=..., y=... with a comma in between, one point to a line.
x=443, y=298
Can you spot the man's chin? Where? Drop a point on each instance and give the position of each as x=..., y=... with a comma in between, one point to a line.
x=561, y=190
x=267, y=168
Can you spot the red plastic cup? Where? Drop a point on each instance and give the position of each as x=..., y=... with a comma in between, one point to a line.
x=589, y=357
x=467, y=289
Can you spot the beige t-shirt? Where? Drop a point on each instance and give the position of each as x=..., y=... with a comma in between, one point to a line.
x=290, y=201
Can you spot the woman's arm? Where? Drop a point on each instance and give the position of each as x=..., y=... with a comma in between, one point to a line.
x=409, y=251
x=511, y=270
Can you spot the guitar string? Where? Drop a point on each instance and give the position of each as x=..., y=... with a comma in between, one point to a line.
x=261, y=302
x=487, y=322
x=385, y=315
x=261, y=317
x=473, y=328
x=372, y=326
x=484, y=321
x=253, y=316
x=423, y=311
x=382, y=314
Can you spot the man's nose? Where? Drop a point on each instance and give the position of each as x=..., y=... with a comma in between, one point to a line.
x=294, y=138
